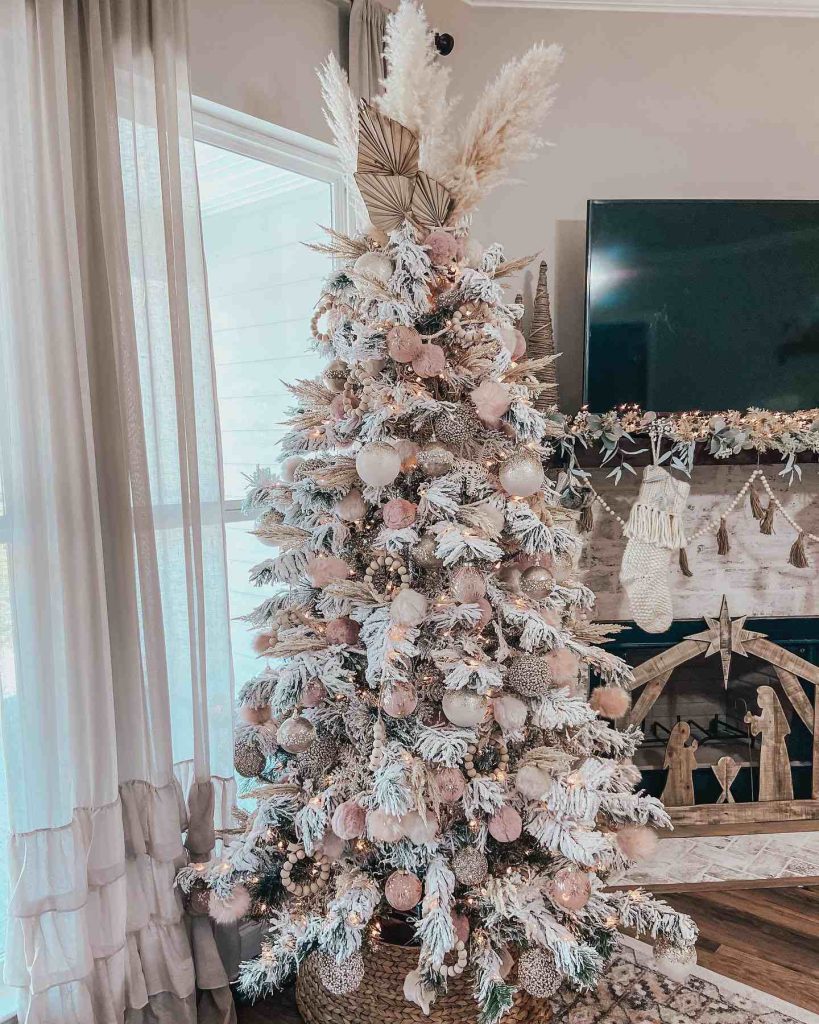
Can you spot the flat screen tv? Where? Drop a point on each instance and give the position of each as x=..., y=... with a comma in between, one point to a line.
x=703, y=305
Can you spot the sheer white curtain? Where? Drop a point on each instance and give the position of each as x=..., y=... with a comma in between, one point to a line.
x=121, y=670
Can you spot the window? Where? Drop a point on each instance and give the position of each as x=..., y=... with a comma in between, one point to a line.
x=263, y=192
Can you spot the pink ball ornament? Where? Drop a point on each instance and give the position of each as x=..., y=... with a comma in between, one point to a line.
x=460, y=922
x=513, y=341
x=430, y=361
x=505, y=825
x=486, y=614
x=378, y=464
x=232, y=908
x=637, y=842
x=404, y=343
x=342, y=631
x=399, y=513
x=468, y=585
x=450, y=784
x=313, y=693
x=383, y=827
x=564, y=666
x=403, y=890
x=399, y=700
x=408, y=450
x=408, y=608
x=351, y=507
x=510, y=713
x=332, y=846
x=491, y=400
x=610, y=701
x=337, y=410
x=325, y=569
x=570, y=889
x=289, y=467
x=442, y=247
x=419, y=830
x=348, y=820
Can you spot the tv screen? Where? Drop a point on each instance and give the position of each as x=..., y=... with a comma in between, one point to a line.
x=703, y=305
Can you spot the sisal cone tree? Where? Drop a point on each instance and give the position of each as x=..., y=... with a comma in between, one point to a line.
x=419, y=742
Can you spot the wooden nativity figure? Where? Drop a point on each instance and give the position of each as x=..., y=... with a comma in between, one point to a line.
x=680, y=760
x=775, y=781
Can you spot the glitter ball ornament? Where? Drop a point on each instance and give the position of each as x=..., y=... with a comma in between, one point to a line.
x=468, y=585
x=505, y=825
x=522, y=474
x=423, y=554
x=403, y=890
x=470, y=866
x=537, y=973
x=536, y=582
x=399, y=699
x=404, y=343
x=348, y=820
x=340, y=979
x=464, y=707
x=399, y=513
x=351, y=507
x=335, y=376
x=528, y=675
x=317, y=759
x=296, y=734
x=378, y=464
x=248, y=760
x=454, y=428
x=675, y=962
x=570, y=889
x=430, y=361
x=434, y=459
x=450, y=784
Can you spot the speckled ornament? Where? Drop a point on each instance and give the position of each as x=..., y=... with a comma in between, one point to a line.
x=430, y=361
x=339, y=978
x=434, y=459
x=528, y=675
x=505, y=825
x=248, y=760
x=538, y=973
x=404, y=343
x=399, y=699
x=464, y=707
x=470, y=866
x=521, y=475
x=675, y=962
x=450, y=784
x=351, y=507
x=468, y=584
x=455, y=429
x=570, y=889
x=536, y=582
x=348, y=821
x=296, y=734
x=403, y=890
x=378, y=464
x=319, y=757
x=423, y=554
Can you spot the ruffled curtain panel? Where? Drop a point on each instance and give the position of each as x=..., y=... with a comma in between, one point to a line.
x=117, y=680
x=368, y=21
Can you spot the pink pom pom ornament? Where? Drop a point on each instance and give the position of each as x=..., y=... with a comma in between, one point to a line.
x=637, y=842
x=442, y=247
x=233, y=908
x=610, y=701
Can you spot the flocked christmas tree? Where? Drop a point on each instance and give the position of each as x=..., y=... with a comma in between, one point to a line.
x=420, y=739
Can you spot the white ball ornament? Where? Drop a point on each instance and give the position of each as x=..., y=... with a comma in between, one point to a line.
x=464, y=707
x=296, y=734
x=510, y=713
x=522, y=474
x=378, y=464
x=383, y=827
x=372, y=265
x=408, y=608
x=351, y=507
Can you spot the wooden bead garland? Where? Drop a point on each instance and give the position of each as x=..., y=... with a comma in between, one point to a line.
x=321, y=336
x=296, y=853
x=393, y=567
x=453, y=970
x=498, y=773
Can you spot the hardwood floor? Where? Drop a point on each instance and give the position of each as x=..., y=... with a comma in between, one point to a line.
x=278, y=1009
x=766, y=938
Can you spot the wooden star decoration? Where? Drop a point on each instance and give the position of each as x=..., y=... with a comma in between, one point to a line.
x=725, y=636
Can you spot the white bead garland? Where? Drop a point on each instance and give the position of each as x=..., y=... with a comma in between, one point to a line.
x=296, y=853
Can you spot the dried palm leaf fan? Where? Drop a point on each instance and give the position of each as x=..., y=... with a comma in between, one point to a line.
x=431, y=202
x=384, y=145
x=388, y=198
x=542, y=341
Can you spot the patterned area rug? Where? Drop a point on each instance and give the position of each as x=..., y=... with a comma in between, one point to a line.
x=635, y=994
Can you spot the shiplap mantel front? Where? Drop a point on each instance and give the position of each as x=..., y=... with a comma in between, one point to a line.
x=771, y=8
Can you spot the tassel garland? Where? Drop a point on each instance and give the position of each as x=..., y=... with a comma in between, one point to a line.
x=685, y=569
x=798, y=556
x=586, y=519
x=723, y=543
x=766, y=526
x=757, y=511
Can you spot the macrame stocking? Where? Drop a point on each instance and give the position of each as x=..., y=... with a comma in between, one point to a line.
x=654, y=530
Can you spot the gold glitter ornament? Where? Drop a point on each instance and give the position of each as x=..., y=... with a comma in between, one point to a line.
x=296, y=734
x=455, y=429
x=470, y=866
x=666, y=950
x=248, y=760
x=434, y=459
x=536, y=582
x=528, y=675
x=335, y=376
x=538, y=973
x=423, y=554
x=317, y=759
x=339, y=978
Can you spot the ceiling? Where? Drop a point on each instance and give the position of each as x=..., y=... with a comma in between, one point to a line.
x=774, y=8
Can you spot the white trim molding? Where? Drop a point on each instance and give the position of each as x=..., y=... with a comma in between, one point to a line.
x=770, y=8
